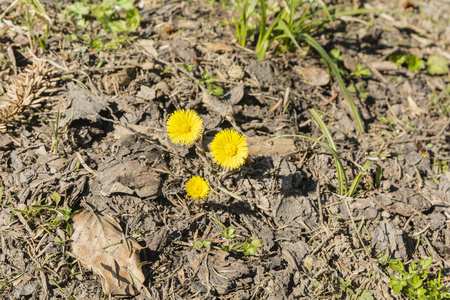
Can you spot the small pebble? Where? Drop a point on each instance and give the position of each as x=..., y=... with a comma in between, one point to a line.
x=385, y=214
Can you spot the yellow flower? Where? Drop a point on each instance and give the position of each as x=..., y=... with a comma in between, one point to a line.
x=184, y=127
x=197, y=188
x=229, y=149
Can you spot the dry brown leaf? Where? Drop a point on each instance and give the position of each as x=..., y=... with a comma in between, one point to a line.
x=100, y=245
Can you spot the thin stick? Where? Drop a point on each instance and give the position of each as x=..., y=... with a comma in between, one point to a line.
x=9, y=7
x=354, y=224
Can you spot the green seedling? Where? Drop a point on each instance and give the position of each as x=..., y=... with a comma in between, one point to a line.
x=204, y=244
x=34, y=9
x=188, y=68
x=228, y=233
x=360, y=71
x=38, y=208
x=292, y=24
x=245, y=9
x=28, y=212
x=358, y=177
x=166, y=69
x=442, y=100
x=411, y=283
x=359, y=90
x=118, y=17
x=337, y=58
x=313, y=43
x=440, y=165
x=437, y=65
x=345, y=289
x=250, y=248
x=412, y=61
x=211, y=86
x=331, y=147
x=391, y=123
x=233, y=244
x=66, y=215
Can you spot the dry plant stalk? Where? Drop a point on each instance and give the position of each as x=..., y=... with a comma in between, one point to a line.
x=27, y=90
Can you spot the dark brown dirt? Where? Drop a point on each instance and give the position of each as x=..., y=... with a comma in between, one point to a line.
x=114, y=157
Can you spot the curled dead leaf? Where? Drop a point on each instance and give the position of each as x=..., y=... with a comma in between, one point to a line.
x=100, y=245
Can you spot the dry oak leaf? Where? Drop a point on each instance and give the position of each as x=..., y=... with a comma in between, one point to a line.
x=100, y=245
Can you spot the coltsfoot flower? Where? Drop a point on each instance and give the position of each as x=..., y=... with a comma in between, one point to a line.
x=184, y=127
x=229, y=149
x=197, y=188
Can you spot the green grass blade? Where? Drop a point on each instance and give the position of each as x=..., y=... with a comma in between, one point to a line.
x=342, y=178
x=324, y=128
x=358, y=178
x=298, y=24
x=313, y=43
x=319, y=22
x=265, y=43
x=262, y=26
x=250, y=9
x=324, y=7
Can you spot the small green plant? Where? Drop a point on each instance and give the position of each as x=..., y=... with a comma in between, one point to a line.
x=336, y=55
x=360, y=71
x=359, y=90
x=389, y=122
x=441, y=101
x=188, y=68
x=28, y=212
x=331, y=147
x=441, y=165
x=211, y=86
x=34, y=9
x=118, y=17
x=412, y=61
x=338, y=59
x=245, y=9
x=345, y=289
x=437, y=65
x=247, y=247
x=411, y=283
x=66, y=215
x=204, y=244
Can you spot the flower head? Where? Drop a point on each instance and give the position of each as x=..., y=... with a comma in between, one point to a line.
x=197, y=188
x=184, y=127
x=229, y=149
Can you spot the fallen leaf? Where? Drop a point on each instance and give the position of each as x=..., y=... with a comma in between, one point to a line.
x=148, y=46
x=414, y=108
x=99, y=244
